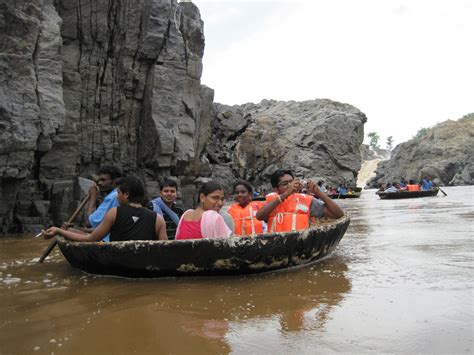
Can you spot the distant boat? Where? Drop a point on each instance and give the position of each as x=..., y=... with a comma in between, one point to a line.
x=206, y=257
x=338, y=196
x=407, y=194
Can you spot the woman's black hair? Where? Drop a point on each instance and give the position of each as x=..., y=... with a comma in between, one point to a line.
x=134, y=187
x=244, y=183
x=209, y=187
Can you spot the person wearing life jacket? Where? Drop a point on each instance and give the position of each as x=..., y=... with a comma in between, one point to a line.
x=411, y=186
x=286, y=209
x=244, y=210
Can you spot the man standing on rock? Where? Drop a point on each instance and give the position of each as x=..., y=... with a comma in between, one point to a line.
x=166, y=206
x=106, y=185
x=286, y=209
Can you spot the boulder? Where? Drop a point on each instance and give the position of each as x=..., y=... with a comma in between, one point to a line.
x=317, y=139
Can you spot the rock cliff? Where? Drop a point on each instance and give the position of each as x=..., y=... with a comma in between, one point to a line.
x=118, y=82
x=317, y=139
x=444, y=152
x=89, y=83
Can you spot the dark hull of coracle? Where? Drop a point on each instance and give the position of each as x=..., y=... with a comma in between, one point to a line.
x=337, y=197
x=407, y=194
x=206, y=257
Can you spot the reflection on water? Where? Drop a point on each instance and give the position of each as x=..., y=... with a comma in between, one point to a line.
x=400, y=281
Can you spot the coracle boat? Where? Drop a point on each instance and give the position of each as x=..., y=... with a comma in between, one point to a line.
x=407, y=194
x=338, y=196
x=206, y=257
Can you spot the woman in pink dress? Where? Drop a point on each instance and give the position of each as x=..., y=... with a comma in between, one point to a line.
x=205, y=221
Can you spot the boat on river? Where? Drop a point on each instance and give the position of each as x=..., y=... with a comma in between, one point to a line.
x=407, y=194
x=339, y=196
x=206, y=257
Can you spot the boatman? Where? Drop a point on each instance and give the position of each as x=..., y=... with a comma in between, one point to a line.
x=426, y=183
x=165, y=205
x=286, y=209
x=129, y=221
x=106, y=186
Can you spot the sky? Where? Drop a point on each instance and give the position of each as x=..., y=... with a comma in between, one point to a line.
x=406, y=64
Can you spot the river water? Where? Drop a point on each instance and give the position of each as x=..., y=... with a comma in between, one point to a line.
x=401, y=281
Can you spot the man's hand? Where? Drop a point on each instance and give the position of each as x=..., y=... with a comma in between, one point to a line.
x=51, y=232
x=313, y=188
x=293, y=187
x=67, y=225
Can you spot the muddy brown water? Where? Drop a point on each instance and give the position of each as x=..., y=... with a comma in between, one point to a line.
x=401, y=281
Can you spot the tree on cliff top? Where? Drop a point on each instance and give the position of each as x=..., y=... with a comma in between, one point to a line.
x=390, y=143
x=374, y=140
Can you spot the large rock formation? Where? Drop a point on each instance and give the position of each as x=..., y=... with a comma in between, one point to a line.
x=317, y=139
x=87, y=83
x=444, y=152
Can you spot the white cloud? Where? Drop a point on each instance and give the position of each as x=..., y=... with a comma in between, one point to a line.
x=405, y=64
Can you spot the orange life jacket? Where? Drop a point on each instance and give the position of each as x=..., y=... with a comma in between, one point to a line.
x=413, y=187
x=244, y=218
x=292, y=214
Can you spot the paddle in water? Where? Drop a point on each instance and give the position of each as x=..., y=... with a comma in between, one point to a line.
x=53, y=242
x=440, y=189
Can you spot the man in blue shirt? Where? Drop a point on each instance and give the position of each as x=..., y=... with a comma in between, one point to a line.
x=106, y=185
x=426, y=183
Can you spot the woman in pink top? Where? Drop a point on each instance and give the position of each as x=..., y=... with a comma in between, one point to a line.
x=205, y=221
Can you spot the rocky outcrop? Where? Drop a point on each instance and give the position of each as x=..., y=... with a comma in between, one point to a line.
x=317, y=139
x=89, y=83
x=444, y=152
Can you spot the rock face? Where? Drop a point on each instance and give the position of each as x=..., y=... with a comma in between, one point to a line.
x=444, y=152
x=90, y=83
x=318, y=139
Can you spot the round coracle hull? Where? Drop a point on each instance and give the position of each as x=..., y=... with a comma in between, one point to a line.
x=407, y=194
x=206, y=257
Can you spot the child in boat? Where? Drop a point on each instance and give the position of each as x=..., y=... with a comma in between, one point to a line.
x=205, y=221
x=129, y=221
x=244, y=210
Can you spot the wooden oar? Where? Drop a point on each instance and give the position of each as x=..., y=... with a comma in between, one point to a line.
x=440, y=189
x=70, y=220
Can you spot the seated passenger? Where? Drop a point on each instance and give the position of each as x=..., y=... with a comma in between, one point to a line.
x=243, y=212
x=129, y=221
x=403, y=183
x=342, y=189
x=166, y=206
x=205, y=221
x=106, y=188
x=391, y=188
x=412, y=186
x=426, y=183
x=287, y=209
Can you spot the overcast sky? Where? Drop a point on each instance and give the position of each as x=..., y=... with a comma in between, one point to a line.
x=406, y=64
